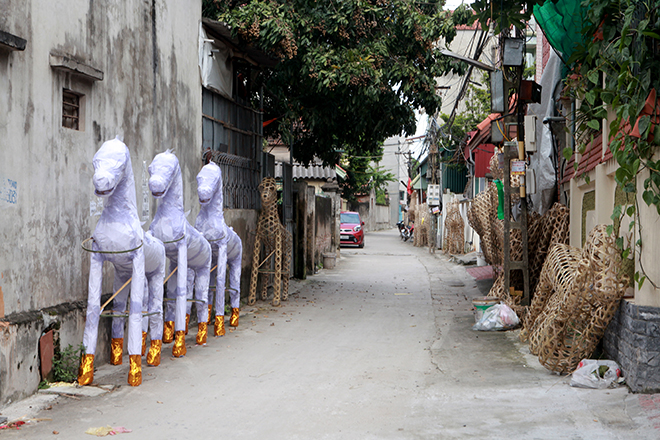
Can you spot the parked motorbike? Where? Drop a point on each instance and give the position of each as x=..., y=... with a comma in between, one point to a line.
x=404, y=231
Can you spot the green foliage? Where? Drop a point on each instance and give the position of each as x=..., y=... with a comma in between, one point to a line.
x=362, y=176
x=379, y=177
x=530, y=72
x=617, y=69
x=504, y=13
x=66, y=363
x=350, y=72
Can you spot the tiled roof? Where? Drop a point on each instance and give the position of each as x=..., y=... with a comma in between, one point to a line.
x=593, y=155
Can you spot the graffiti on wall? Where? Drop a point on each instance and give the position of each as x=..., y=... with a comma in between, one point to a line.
x=8, y=191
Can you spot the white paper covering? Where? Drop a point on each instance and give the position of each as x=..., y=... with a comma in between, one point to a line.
x=119, y=230
x=185, y=247
x=226, y=244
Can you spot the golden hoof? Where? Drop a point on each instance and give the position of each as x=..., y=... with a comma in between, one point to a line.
x=168, y=332
x=233, y=321
x=179, y=348
x=144, y=343
x=153, y=357
x=86, y=371
x=202, y=333
x=219, y=326
x=135, y=372
x=117, y=349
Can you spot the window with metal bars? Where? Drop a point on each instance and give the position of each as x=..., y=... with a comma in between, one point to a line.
x=70, y=110
x=232, y=138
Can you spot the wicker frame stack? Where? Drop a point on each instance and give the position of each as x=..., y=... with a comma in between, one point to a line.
x=576, y=299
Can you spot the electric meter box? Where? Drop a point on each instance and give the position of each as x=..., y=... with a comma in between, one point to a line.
x=513, y=52
x=433, y=195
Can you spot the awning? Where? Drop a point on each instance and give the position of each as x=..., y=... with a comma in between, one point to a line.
x=419, y=183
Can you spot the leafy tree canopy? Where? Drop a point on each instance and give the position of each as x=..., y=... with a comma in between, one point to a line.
x=351, y=72
x=504, y=13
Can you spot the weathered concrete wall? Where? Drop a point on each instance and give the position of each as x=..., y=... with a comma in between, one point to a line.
x=323, y=225
x=647, y=262
x=244, y=222
x=310, y=214
x=300, y=244
x=381, y=217
x=150, y=94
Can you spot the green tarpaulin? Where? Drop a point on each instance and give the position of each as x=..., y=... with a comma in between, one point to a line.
x=562, y=23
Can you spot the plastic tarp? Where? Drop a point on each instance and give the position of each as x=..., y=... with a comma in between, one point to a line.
x=215, y=65
x=542, y=160
x=562, y=23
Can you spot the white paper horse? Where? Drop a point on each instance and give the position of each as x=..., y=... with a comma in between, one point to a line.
x=119, y=239
x=226, y=244
x=184, y=246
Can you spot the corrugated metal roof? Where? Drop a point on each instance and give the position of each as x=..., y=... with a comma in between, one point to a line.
x=311, y=172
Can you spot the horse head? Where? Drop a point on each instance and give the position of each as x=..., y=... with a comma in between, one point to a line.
x=209, y=184
x=162, y=170
x=110, y=167
x=268, y=191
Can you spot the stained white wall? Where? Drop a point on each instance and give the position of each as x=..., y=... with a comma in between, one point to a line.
x=150, y=94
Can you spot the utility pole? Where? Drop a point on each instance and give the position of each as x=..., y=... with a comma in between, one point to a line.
x=513, y=65
x=434, y=194
x=409, y=164
x=433, y=168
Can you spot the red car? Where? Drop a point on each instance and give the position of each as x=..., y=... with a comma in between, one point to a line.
x=350, y=229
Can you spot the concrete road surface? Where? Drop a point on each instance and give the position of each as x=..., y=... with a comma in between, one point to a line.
x=381, y=347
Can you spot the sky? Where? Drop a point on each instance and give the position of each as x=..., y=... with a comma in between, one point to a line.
x=452, y=4
x=422, y=118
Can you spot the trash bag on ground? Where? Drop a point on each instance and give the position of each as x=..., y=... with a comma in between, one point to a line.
x=498, y=317
x=598, y=374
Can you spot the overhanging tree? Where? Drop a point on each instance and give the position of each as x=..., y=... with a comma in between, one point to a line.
x=351, y=72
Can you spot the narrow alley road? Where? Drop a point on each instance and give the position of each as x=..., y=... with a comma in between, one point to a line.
x=381, y=347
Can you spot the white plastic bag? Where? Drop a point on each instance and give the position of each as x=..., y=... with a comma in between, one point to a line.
x=592, y=373
x=498, y=317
